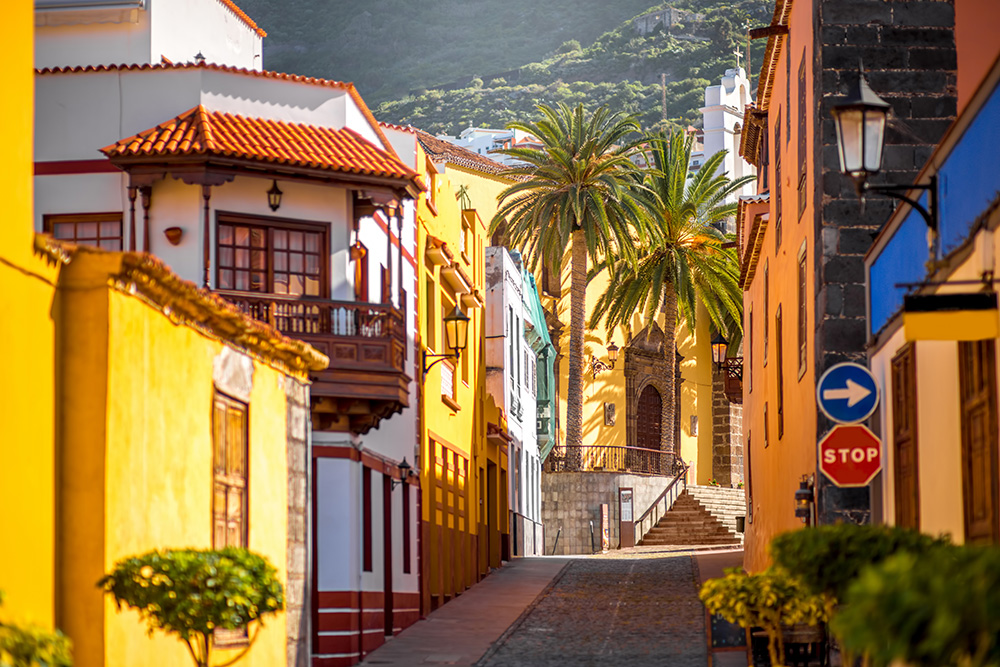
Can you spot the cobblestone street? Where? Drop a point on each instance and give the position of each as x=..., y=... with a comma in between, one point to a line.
x=637, y=609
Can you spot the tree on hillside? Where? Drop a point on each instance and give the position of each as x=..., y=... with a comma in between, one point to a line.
x=579, y=191
x=685, y=259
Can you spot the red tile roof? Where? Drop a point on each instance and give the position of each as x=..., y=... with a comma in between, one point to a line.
x=440, y=149
x=231, y=6
x=266, y=74
x=203, y=132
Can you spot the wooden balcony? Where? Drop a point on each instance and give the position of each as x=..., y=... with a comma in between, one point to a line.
x=733, y=368
x=366, y=343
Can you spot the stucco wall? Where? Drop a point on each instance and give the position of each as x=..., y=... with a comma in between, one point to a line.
x=570, y=500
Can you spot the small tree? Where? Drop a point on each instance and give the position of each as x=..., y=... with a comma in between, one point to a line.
x=192, y=593
x=32, y=646
x=771, y=600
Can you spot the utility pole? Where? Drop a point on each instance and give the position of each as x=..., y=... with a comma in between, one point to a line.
x=663, y=95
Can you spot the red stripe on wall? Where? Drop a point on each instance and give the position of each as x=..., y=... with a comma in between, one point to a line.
x=63, y=167
x=338, y=599
x=336, y=662
x=338, y=621
x=372, y=640
x=338, y=643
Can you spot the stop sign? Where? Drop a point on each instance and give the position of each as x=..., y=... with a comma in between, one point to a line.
x=850, y=455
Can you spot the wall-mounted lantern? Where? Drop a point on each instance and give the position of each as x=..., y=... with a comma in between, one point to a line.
x=860, y=121
x=456, y=333
x=720, y=347
x=405, y=470
x=804, y=499
x=274, y=196
x=598, y=366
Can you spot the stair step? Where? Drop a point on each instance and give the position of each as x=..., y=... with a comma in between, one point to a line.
x=700, y=517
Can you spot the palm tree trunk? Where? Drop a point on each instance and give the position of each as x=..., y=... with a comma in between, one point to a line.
x=670, y=351
x=574, y=386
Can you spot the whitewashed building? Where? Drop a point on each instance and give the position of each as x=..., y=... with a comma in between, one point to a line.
x=519, y=362
x=284, y=196
x=486, y=141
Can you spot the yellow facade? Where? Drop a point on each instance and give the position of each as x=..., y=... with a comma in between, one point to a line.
x=27, y=280
x=463, y=473
x=610, y=386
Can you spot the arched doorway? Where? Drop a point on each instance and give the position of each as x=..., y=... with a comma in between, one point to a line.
x=649, y=424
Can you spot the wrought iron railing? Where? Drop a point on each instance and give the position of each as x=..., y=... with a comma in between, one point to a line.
x=609, y=458
x=663, y=502
x=734, y=379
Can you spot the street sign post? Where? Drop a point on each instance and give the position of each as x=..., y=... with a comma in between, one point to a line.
x=850, y=455
x=847, y=393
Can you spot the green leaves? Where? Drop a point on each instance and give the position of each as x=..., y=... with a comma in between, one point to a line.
x=191, y=592
x=32, y=646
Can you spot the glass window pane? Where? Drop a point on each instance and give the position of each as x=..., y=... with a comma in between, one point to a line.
x=294, y=284
x=280, y=283
x=112, y=244
x=86, y=230
x=295, y=263
x=225, y=234
x=110, y=229
x=312, y=287
x=242, y=280
x=225, y=256
x=312, y=265
x=226, y=279
x=258, y=238
x=258, y=259
x=242, y=259
x=312, y=242
x=295, y=240
x=280, y=239
x=258, y=282
x=242, y=236
x=280, y=261
x=64, y=230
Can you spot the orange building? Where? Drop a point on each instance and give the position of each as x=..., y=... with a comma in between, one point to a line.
x=803, y=240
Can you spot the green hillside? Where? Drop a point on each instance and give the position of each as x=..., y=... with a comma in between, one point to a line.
x=446, y=65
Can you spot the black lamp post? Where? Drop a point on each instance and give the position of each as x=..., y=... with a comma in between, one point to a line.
x=860, y=121
x=803, y=501
x=598, y=366
x=404, y=473
x=456, y=332
x=720, y=347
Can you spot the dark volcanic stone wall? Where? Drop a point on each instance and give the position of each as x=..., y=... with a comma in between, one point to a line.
x=908, y=50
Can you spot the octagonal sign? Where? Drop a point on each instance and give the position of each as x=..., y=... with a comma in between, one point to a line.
x=850, y=455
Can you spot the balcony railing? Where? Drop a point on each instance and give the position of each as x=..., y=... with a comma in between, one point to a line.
x=366, y=344
x=610, y=458
x=733, y=368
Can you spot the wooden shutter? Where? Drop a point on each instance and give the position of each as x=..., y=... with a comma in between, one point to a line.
x=777, y=182
x=229, y=472
x=649, y=422
x=802, y=134
x=779, y=367
x=904, y=438
x=978, y=396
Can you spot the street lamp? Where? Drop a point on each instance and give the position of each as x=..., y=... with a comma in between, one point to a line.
x=456, y=333
x=803, y=500
x=598, y=366
x=720, y=347
x=274, y=196
x=405, y=470
x=860, y=120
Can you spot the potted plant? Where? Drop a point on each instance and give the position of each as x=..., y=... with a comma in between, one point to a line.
x=193, y=593
x=771, y=600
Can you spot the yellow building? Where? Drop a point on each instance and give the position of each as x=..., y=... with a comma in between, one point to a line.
x=27, y=336
x=463, y=469
x=121, y=384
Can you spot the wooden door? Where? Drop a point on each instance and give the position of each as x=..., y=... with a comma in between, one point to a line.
x=649, y=427
x=978, y=395
x=904, y=438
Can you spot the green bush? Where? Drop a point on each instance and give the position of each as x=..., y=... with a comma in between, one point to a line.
x=770, y=599
x=191, y=593
x=32, y=646
x=939, y=608
x=827, y=558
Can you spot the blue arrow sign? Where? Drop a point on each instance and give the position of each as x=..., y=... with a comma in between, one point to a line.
x=847, y=393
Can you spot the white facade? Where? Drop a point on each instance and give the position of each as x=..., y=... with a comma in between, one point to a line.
x=722, y=122
x=511, y=380
x=112, y=32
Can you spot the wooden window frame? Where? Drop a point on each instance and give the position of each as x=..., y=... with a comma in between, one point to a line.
x=802, y=135
x=271, y=224
x=767, y=427
x=49, y=222
x=978, y=389
x=803, y=310
x=777, y=182
x=903, y=378
x=779, y=369
x=767, y=311
x=386, y=281
x=748, y=371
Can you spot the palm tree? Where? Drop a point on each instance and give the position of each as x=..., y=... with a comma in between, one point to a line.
x=686, y=259
x=578, y=190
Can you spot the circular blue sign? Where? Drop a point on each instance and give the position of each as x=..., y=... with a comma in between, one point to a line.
x=847, y=393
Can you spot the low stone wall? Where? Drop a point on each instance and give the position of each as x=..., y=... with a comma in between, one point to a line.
x=571, y=500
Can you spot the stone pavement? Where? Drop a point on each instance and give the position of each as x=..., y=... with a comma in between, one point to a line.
x=636, y=607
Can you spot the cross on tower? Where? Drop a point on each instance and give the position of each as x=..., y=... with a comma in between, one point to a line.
x=738, y=55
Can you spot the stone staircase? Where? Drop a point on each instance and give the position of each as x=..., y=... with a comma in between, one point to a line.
x=702, y=515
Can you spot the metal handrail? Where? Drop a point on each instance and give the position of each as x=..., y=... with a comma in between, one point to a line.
x=611, y=458
x=668, y=496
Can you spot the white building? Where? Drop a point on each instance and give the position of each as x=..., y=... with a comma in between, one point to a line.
x=485, y=141
x=519, y=360
x=283, y=195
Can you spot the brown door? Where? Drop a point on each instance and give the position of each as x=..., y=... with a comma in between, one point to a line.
x=904, y=438
x=649, y=428
x=978, y=394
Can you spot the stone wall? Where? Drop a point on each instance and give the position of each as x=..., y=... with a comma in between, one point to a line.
x=296, y=588
x=920, y=84
x=646, y=363
x=727, y=434
x=570, y=500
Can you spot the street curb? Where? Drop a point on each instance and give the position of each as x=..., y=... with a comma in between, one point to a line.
x=495, y=646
